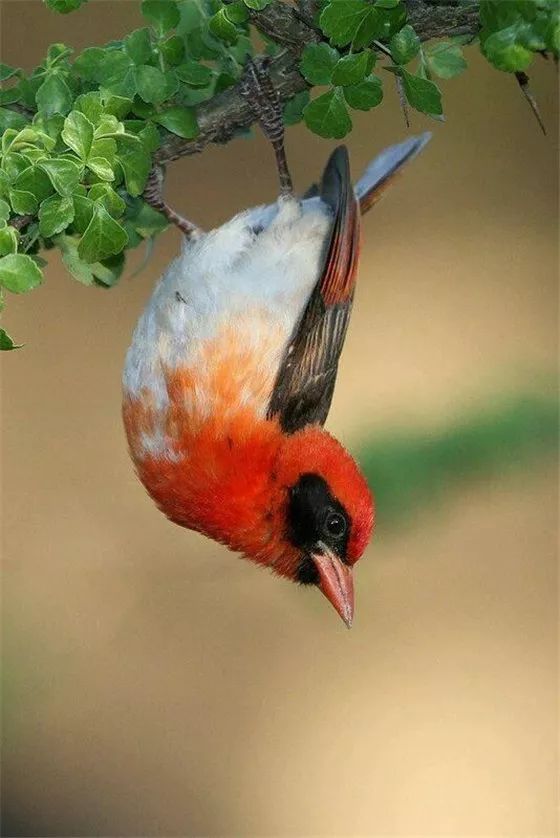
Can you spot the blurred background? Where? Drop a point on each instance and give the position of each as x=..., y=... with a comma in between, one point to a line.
x=154, y=684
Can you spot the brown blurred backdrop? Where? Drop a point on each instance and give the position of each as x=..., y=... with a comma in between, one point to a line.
x=153, y=683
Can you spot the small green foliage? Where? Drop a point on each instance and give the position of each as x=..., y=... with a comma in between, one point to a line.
x=78, y=133
x=445, y=60
x=318, y=62
x=327, y=115
x=365, y=95
x=64, y=6
x=294, y=107
x=404, y=45
x=55, y=215
x=351, y=69
x=422, y=94
x=179, y=120
x=19, y=273
x=341, y=19
x=163, y=14
x=7, y=343
x=103, y=236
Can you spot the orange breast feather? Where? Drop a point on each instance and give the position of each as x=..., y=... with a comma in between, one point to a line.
x=207, y=454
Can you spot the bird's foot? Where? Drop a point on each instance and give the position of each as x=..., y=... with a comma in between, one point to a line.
x=153, y=195
x=257, y=89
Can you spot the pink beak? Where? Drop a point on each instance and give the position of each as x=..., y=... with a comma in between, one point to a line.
x=336, y=582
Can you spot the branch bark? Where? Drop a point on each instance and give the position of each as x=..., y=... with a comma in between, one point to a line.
x=222, y=117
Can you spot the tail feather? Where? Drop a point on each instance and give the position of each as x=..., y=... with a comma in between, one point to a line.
x=382, y=171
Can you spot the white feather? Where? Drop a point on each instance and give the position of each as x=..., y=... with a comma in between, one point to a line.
x=264, y=260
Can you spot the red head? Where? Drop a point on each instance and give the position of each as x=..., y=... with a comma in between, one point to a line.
x=328, y=514
x=296, y=503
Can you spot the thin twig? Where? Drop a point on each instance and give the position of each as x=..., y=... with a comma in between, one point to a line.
x=523, y=82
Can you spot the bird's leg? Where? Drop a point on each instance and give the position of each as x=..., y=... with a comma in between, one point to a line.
x=153, y=195
x=257, y=88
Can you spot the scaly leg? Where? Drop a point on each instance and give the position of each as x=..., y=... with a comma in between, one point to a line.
x=153, y=195
x=257, y=88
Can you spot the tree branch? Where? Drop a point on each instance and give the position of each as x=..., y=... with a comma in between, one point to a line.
x=222, y=117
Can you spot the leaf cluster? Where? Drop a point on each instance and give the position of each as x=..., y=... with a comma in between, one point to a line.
x=359, y=34
x=78, y=132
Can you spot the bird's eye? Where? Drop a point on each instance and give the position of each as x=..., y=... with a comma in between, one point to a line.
x=335, y=525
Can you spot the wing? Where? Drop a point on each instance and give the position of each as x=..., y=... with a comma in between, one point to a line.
x=305, y=383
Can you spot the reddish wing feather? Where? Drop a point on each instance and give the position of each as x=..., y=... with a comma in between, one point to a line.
x=305, y=383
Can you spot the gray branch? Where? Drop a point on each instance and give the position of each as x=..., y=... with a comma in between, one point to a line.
x=226, y=114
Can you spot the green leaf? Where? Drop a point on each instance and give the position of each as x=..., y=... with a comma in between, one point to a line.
x=192, y=17
x=327, y=115
x=4, y=210
x=351, y=69
x=63, y=7
x=149, y=137
x=34, y=180
x=237, y=12
x=55, y=215
x=101, y=167
x=11, y=119
x=90, y=105
x=136, y=165
x=180, y=121
x=108, y=126
x=104, y=237
x=194, y=74
x=24, y=203
x=7, y=72
x=318, y=62
x=150, y=84
x=105, y=147
x=293, y=109
x=404, y=45
x=90, y=64
x=51, y=125
x=138, y=45
x=19, y=273
x=106, y=195
x=387, y=4
x=365, y=95
x=341, y=19
x=78, y=133
x=114, y=105
x=163, y=14
x=54, y=96
x=421, y=94
x=83, y=212
x=64, y=174
x=6, y=342
x=108, y=272
x=172, y=50
x=14, y=164
x=369, y=29
x=200, y=43
x=145, y=220
x=505, y=50
x=222, y=27
x=79, y=269
x=446, y=60
x=8, y=240
x=122, y=83
x=25, y=139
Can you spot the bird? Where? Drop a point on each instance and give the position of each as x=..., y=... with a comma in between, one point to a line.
x=232, y=366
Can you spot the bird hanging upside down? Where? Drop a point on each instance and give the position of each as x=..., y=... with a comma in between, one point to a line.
x=232, y=367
